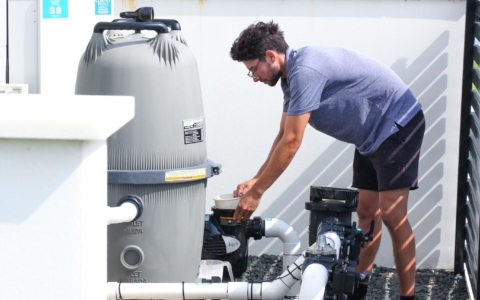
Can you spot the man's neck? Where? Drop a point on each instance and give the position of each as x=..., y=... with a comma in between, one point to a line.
x=283, y=65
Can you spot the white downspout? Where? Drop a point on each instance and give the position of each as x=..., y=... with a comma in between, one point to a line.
x=314, y=280
x=291, y=246
x=121, y=214
x=233, y=290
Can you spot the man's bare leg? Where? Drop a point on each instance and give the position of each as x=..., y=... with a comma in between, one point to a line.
x=393, y=206
x=369, y=208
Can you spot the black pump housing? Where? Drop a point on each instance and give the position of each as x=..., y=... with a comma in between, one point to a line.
x=327, y=202
x=221, y=231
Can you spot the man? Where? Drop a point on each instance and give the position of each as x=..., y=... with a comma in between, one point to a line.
x=357, y=100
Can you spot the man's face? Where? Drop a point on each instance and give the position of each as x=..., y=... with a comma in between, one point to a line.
x=263, y=71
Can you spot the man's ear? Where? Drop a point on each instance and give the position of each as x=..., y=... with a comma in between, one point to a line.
x=271, y=54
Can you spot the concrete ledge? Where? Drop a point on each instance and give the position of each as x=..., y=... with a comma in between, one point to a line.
x=63, y=117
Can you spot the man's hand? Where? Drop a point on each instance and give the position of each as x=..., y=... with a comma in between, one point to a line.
x=243, y=187
x=247, y=205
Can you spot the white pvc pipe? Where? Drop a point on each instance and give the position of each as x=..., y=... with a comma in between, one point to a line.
x=121, y=214
x=166, y=291
x=291, y=245
x=314, y=280
x=334, y=241
x=288, y=235
x=232, y=290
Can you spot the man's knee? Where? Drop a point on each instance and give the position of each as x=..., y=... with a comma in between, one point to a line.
x=394, y=220
x=393, y=217
x=368, y=205
x=368, y=211
x=393, y=206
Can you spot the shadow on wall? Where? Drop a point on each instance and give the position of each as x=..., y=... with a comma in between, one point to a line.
x=427, y=80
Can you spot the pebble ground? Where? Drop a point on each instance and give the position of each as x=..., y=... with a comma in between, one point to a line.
x=431, y=284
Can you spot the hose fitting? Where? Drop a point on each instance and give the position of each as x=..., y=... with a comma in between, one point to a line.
x=135, y=200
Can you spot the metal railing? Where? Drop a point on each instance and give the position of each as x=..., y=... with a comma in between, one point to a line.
x=467, y=239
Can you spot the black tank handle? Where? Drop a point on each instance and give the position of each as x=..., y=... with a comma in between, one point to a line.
x=158, y=27
x=122, y=20
x=173, y=24
x=146, y=14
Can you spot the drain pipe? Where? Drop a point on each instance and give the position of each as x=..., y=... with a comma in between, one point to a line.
x=291, y=246
x=129, y=209
x=314, y=280
x=232, y=290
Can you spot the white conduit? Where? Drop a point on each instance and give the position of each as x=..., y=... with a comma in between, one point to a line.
x=121, y=214
x=291, y=245
x=314, y=280
x=232, y=290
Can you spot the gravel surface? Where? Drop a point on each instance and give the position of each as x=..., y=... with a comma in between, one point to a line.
x=430, y=284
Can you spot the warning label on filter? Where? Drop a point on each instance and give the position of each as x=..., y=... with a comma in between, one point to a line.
x=185, y=174
x=193, y=131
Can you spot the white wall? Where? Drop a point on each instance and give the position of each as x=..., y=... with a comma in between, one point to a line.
x=3, y=39
x=44, y=52
x=23, y=39
x=421, y=40
x=23, y=43
x=61, y=43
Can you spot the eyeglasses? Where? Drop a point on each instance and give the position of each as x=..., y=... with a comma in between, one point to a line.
x=252, y=71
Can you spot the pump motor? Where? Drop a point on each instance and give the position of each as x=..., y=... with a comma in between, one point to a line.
x=227, y=240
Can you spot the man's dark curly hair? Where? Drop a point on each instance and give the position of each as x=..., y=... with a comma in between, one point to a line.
x=256, y=39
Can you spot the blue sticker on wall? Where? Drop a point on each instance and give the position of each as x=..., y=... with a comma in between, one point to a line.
x=103, y=7
x=55, y=9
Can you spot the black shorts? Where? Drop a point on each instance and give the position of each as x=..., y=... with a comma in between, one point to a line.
x=395, y=163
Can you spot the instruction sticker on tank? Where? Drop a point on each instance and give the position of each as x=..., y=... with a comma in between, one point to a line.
x=193, y=131
x=103, y=7
x=54, y=9
x=179, y=175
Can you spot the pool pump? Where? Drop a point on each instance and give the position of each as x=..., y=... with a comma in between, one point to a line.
x=336, y=240
x=227, y=240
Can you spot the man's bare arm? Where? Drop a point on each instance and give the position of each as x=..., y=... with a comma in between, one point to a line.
x=280, y=158
x=243, y=187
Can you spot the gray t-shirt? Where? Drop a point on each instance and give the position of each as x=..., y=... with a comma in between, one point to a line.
x=352, y=97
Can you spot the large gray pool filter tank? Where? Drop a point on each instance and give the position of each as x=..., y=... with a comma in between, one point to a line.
x=160, y=156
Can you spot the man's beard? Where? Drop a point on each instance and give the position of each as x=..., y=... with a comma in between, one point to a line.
x=275, y=75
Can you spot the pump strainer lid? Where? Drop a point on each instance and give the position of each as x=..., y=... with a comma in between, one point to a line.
x=226, y=201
